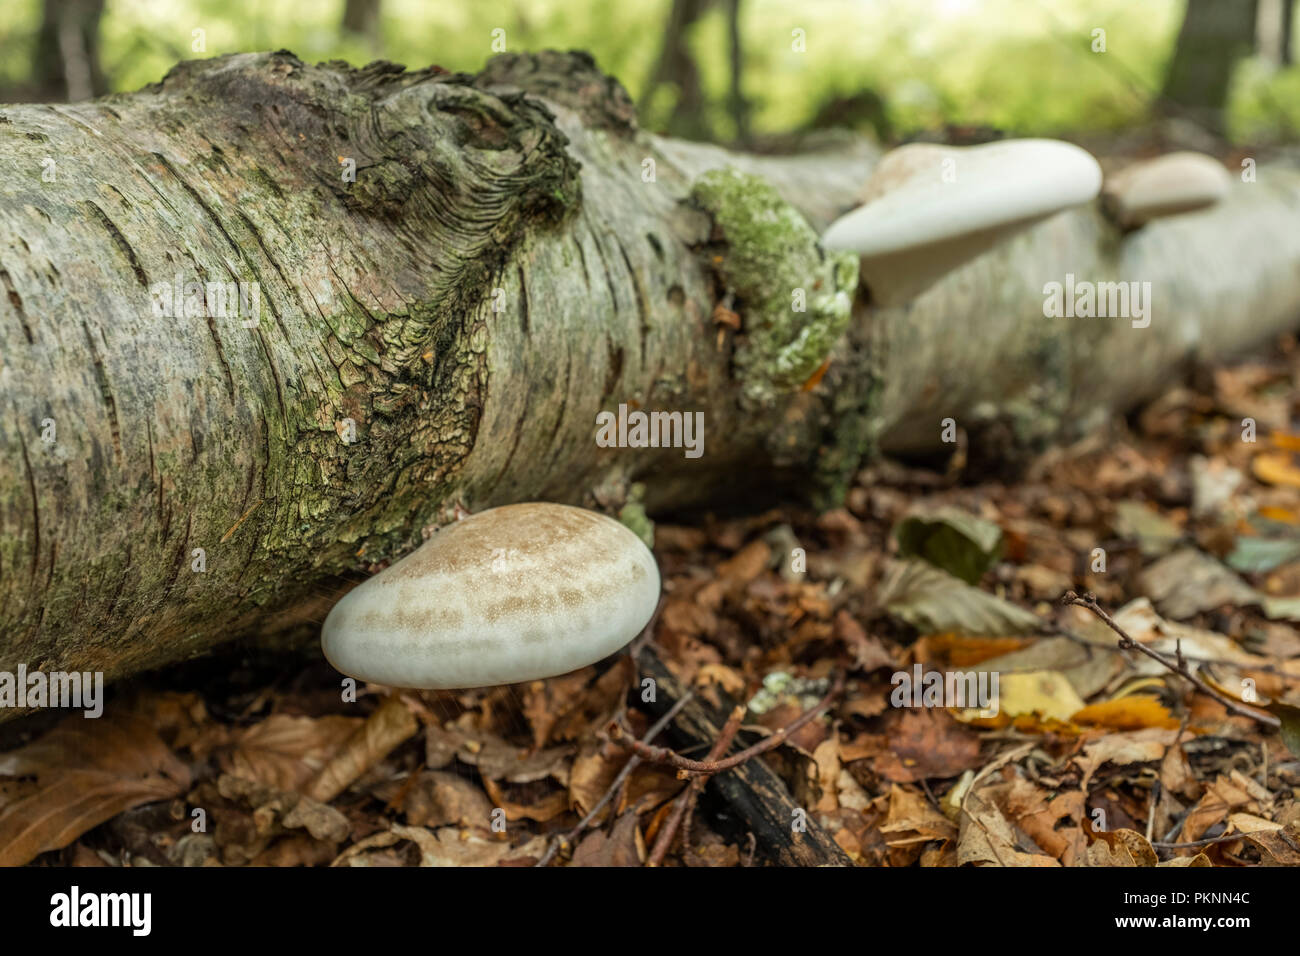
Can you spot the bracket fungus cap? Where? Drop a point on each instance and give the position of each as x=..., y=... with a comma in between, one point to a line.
x=516, y=593
x=1165, y=186
x=932, y=208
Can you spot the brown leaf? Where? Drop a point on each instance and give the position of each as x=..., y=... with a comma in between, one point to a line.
x=177, y=718
x=925, y=744
x=546, y=702
x=1199, y=859
x=747, y=564
x=622, y=846
x=1276, y=468
x=592, y=773
x=807, y=737
x=1137, y=746
x=286, y=752
x=537, y=800
x=912, y=819
x=275, y=809
x=435, y=798
x=986, y=838
x=712, y=855
x=868, y=653
x=965, y=650
x=498, y=759
x=1220, y=799
x=826, y=771
x=1280, y=842
x=594, y=706
x=390, y=725
x=1120, y=848
x=445, y=847
x=296, y=851
x=1029, y=807
x=86, y=772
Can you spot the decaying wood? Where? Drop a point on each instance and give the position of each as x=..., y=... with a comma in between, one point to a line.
x=513, y=257
x=752, y=790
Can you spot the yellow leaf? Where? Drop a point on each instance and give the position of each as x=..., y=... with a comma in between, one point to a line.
x=1276, y=469
x=1038, y=692
x=1274, y=513
x=1127, y=713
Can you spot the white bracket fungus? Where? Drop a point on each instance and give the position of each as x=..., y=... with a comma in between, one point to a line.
x=931, y=208
x=1165, y=186
x=511, y=594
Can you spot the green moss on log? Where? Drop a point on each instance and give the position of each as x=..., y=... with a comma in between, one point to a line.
x=794, y=299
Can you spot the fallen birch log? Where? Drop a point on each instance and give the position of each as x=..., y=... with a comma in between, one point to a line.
x=263, y=323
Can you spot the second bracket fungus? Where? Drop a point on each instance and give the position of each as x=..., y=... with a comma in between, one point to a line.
x=1164, y=186
x=932, y=208
x=511, y=594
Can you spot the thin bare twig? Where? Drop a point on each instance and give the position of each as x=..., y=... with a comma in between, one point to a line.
x=1178, y=666
x=1208, y=841
x=1056, y=630
x=685, y=801
x=632, y=763
x=685, y=766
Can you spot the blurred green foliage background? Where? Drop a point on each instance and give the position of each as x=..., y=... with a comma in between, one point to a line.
x=1024, y=66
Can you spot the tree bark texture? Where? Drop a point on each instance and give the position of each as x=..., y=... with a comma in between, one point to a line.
x=513, y=257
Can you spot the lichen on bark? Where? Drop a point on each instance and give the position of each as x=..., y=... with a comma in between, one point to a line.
x=795, y=299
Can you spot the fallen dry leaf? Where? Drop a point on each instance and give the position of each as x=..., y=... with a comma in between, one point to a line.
x=925, y=744
x=83, y=773
x=285, y=751
x=1281, y=843
x=1044, y=693
x=527, y=801
x=1137, y=746
x=986, y=838
x=1133, y=712
x=623, y=845
x=1276, y=468
x=1120, y=848
x=391, y=724
x=435, y=798
x=912, y=819
x=1220, y=799
x=275, y=809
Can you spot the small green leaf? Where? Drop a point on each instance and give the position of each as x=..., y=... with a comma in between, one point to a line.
x=951, y=539
x=1257, y=555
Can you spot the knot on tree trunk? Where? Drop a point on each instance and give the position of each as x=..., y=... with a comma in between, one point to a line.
x=571, y=79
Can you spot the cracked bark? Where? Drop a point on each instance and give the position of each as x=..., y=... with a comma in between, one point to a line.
x=498, y=273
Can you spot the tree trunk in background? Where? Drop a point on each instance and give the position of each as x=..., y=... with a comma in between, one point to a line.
x=736, y=101
x=1288, y=28
x=676, y=67
x=362, y=18
x=443, y=331
x=66, y=64
x=1215, y=34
